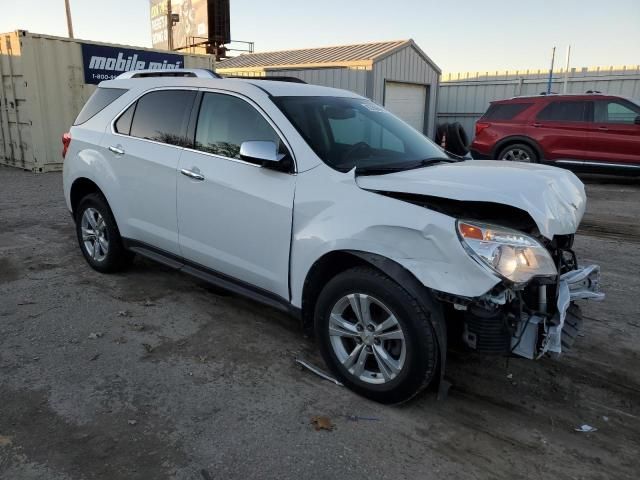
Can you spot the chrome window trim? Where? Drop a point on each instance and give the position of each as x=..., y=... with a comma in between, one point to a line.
x=208, y=90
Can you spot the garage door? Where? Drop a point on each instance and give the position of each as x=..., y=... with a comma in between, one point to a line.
x=406, y=101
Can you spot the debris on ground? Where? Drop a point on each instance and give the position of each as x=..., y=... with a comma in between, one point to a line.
x=318, y=371
x=148, y=303
x=147, y=347
x=586, y=429
x=321, y=422
x=357, y=418
x=138, y=327
x=95, y=335
x=95, y=357
x=132, y=422
x=510, y=376
x=124, y=313
x=4, y=441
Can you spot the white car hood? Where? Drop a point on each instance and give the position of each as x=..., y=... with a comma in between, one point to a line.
x=553, y=197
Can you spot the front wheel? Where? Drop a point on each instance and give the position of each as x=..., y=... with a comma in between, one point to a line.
x=375, y=337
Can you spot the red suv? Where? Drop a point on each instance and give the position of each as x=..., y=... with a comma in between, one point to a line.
x=589, y=130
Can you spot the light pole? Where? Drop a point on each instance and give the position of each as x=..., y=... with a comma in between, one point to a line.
x=69, y=23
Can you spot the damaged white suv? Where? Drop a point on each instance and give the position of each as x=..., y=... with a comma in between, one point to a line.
x=321, y=203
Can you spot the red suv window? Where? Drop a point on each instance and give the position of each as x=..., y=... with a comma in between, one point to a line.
x=505, y=111
x=561, y=111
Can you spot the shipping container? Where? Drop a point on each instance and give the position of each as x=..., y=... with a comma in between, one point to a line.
x=45, y=81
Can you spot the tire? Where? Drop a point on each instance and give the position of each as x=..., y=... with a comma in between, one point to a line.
x=110, y=256
x=457, y=139
x=519, y=152
x=411, y=356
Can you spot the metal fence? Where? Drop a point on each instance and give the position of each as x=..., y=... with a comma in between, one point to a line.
x=464, y=97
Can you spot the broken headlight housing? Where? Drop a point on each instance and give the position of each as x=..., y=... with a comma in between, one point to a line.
x=511, y=254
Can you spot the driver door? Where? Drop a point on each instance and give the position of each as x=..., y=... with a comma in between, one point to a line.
x=234, y=216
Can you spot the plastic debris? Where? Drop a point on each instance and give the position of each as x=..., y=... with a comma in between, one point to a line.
x=148, y=303
x=320, y=422
x=318, y=371
x=132, y=422
x=510, y=376
x=586, y=429
x=95, y=335
x=124, y=313
x=357, y=418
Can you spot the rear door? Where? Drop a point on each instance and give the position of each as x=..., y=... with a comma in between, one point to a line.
x=561, y=128
x=615, y=137
x=236, y=217
x=144, y=148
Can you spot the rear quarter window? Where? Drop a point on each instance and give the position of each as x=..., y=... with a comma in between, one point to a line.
x=100, y=99
x=565, y=111
x=505, y=111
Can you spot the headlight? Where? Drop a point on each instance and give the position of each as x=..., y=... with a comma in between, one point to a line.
x=512, y=254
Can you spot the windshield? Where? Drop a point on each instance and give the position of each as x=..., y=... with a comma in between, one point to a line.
x=355, y=132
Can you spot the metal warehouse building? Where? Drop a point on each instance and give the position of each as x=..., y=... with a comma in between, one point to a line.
x=397, y=75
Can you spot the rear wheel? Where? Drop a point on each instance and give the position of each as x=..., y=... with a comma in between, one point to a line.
x=519, y=152
x=98, y=235
x=375, y=337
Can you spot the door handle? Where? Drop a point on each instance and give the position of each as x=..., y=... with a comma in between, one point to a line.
x=192, y=174
x=603, y=128
x=116, y=150
x=536, y=125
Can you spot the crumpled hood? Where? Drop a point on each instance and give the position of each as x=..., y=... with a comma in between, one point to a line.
x=553, y=197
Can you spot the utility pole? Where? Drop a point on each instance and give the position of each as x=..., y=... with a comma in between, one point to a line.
x=169, y=26
x=69, y=23
x=553, y=57
x=566, y=70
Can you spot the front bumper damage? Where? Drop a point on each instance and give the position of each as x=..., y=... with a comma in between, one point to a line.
x=520, y=322
x=539, y=334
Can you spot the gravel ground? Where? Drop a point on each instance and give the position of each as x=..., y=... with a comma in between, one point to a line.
x=152, y=374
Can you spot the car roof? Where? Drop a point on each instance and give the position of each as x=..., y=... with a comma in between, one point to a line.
x=553, y=96
x=272, y=88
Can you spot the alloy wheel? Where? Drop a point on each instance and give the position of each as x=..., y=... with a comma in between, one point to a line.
x=94, y=234
x=367, y=338
x=517, y=155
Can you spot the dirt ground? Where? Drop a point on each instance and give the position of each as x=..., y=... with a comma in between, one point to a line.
x=151, y=374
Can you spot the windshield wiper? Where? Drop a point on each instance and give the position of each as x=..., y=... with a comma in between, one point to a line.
x=383, y=169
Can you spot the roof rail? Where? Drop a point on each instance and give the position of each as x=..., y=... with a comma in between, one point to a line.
x=273, y=79
x=174, y=72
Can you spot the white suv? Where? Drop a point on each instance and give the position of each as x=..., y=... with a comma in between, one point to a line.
x=321, y=203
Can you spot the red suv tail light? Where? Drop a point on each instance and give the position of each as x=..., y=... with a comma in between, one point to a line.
x=66, y=141
x=480, y=126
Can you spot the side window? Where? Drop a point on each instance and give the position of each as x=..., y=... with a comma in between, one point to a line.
x=355, y=129
x=226, y=121
x=615, y=112
x=561, y=111
x=505, y=111
x=123, y=124
x=100, y=99
x=162, y=116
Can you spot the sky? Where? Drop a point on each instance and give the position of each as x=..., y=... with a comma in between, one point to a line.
x=459, y=35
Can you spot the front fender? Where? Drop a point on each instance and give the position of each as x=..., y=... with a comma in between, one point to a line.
x=422, y=241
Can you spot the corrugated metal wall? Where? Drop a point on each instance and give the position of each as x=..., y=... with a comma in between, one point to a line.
x=407, y=65
x=465, y=97
x=42, y=90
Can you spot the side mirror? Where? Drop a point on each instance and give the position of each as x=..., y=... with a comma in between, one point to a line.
x=259, y=151
x=637, y=120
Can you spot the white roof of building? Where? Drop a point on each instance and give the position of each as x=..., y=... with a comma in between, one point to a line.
x=358, y=55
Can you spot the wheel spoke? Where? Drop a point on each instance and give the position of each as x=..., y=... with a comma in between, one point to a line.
x=353, y=357
x=358, y=368
x=88, y=214
x=104, y=245
x=390, y=335
x=87, y=234
x=389, y=367
x=93, y=248
x=387, y=324
x=340, y=327
x=360, y=304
